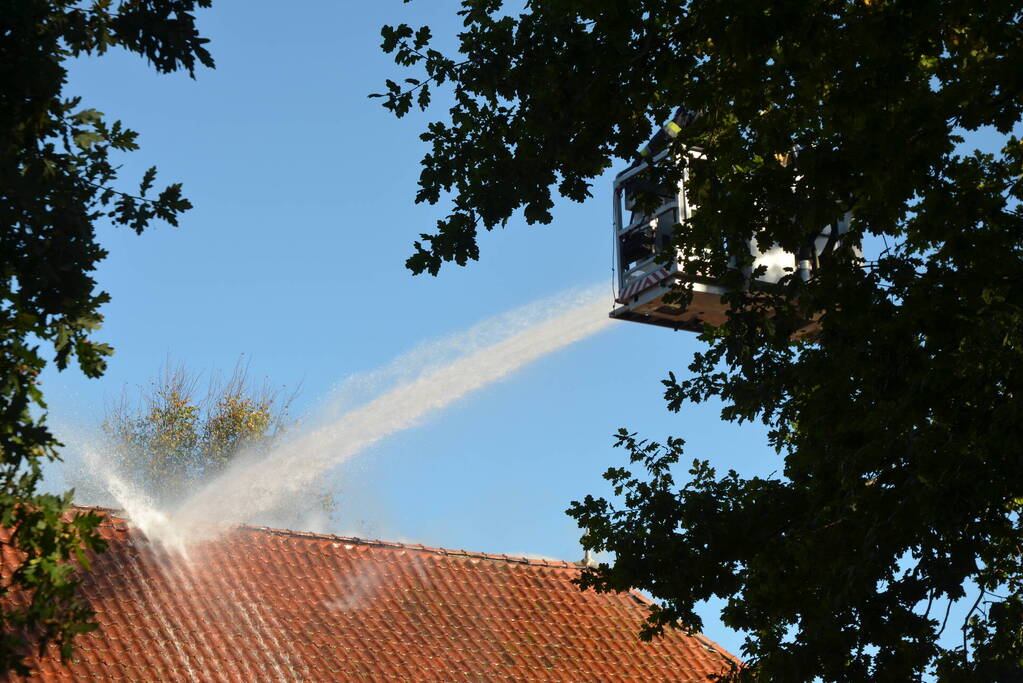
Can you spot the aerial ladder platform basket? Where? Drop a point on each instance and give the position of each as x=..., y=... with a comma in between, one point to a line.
x=647, y=270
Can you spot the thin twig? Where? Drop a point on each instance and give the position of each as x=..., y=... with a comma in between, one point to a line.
x=966, y=621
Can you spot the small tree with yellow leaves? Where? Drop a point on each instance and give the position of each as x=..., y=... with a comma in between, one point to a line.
x=173, y=437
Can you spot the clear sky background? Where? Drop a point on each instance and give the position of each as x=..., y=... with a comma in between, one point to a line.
x=294, y=256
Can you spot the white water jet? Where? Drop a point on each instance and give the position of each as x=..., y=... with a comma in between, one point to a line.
x=448, y=371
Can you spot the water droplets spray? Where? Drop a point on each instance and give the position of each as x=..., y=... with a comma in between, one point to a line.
x=424, y=382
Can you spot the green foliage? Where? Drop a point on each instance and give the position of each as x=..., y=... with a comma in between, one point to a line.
x=57, y=180
x=170, y=440
x=901, y=476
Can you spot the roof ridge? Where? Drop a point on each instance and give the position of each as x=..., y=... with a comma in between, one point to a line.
x=119, y=516
x=451, y=552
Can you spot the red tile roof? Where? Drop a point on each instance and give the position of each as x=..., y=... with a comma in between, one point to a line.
x=263, y=604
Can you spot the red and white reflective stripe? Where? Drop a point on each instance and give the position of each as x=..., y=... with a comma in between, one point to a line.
x=644, y=283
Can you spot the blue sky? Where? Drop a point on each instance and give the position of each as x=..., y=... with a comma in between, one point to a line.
x=294, y=256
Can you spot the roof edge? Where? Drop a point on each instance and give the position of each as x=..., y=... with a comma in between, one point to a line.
x=704, y=640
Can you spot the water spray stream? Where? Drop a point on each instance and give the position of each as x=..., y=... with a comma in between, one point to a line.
x=254, y=484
